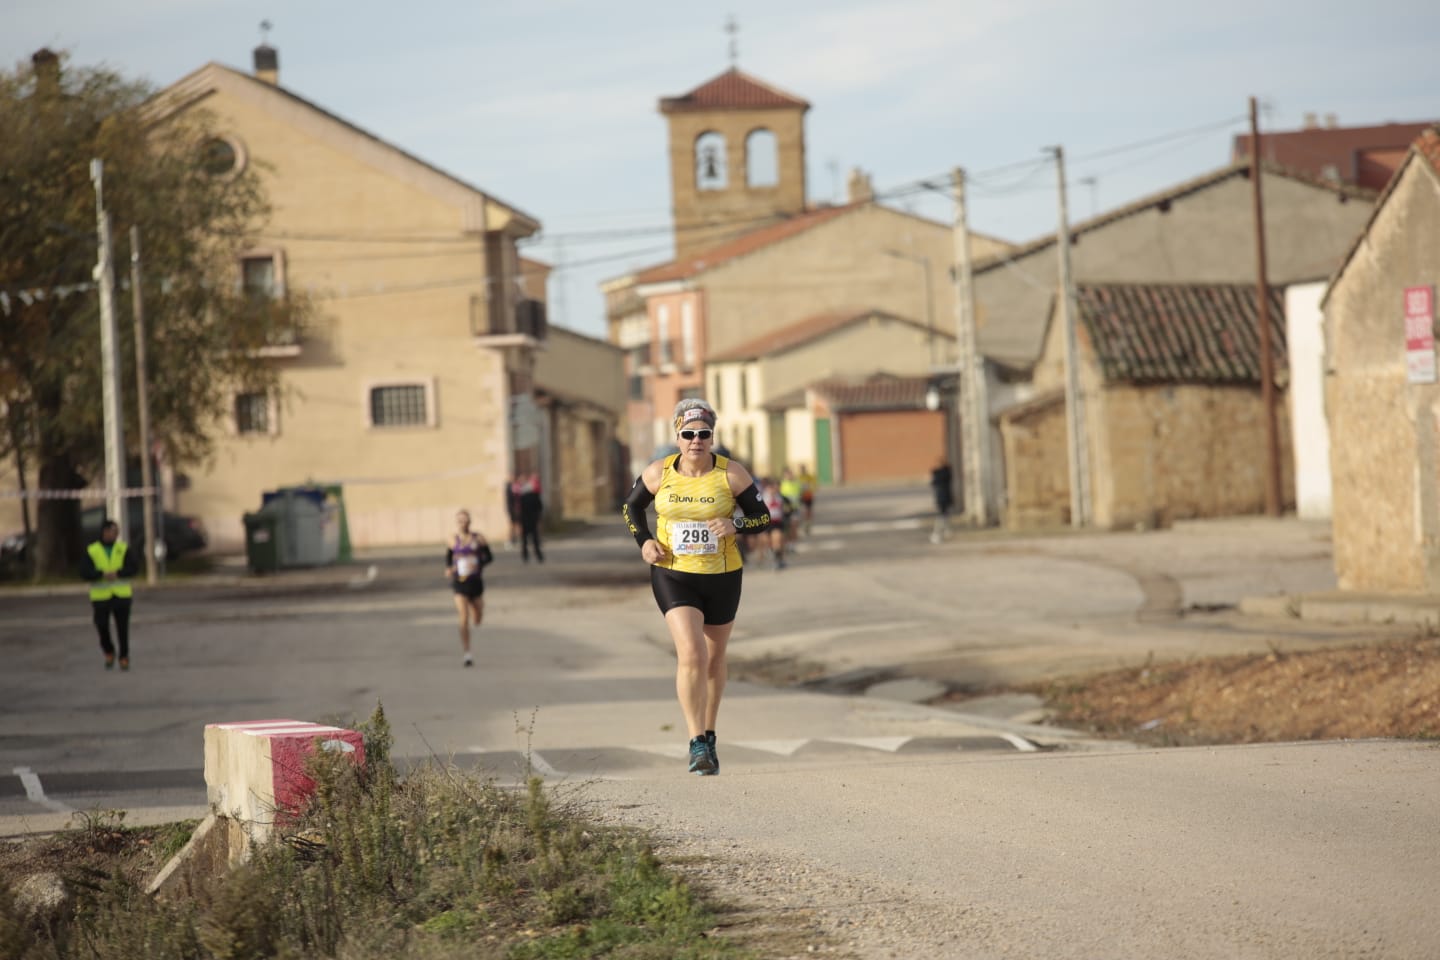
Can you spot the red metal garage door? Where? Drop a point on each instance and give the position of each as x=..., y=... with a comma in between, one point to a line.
x=890, y=445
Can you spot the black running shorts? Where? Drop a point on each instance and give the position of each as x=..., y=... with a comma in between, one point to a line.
x=716, y=595
x=470, y=587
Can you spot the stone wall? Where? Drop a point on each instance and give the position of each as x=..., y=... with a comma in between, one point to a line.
x=1166, y=453
x=1037, y=466
x=1383, y=429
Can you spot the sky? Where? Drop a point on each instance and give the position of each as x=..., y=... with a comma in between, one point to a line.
x=550, y=105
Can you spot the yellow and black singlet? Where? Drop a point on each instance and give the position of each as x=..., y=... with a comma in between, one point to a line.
x=682, y=505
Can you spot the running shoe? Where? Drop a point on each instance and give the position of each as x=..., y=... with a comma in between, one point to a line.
x=700, y=757
x=469, y=662
x=109, y=661
x=714, y=757
x=124, y=663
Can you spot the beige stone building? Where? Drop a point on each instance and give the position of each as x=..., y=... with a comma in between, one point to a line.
x=1382, y=399
x=580, y=391
x=1200, y=231
x=753, y=259
x=737, y=159
x=416, y=389
x=773, y=395
x=1174, y=423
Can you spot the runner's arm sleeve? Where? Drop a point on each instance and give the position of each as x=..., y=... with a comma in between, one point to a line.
x=634, y=512
x=449, y=556
x=485, y=555
x=757, y=515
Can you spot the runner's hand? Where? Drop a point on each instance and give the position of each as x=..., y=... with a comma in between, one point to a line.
x=721, y=526
x=653, y=551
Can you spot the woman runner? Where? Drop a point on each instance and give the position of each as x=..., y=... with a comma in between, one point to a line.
x=694, y=563
x=465, y=557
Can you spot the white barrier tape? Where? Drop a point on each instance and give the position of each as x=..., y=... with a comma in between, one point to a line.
x=90, y=493
x=413, y=478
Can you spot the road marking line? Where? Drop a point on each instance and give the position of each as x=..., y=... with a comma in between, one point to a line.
x=537, y=762
x=888, y=744
x=1021, y=744
x=35, y=793
x=784, y=748
x=673, y=750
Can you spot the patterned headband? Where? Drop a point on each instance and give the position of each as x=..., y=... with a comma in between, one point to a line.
x=695, y=413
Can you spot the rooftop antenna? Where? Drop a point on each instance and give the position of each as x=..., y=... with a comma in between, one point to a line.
x=265, y=27
x=733, y=29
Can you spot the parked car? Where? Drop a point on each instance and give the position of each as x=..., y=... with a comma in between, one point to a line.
x=179, y=533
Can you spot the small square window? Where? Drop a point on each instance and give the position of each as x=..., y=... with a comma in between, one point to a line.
x=401, y=405
x=252, y=413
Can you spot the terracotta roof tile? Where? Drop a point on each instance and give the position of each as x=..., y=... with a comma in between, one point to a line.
x=740, y=246
x=881, y=391
x=732, y=90
x=1179, y=333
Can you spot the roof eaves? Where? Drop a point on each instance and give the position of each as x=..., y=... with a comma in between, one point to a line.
x=527, y=220
x=1380, y=202
x=1179, y=191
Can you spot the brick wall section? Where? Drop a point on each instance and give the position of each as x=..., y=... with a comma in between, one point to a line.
x=1384, y=429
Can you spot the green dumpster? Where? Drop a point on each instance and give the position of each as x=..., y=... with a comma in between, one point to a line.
x=262, y=542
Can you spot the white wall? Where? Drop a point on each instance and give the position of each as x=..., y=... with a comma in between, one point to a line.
x=1305, y=340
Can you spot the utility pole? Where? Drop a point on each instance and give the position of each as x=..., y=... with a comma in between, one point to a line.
x=147, y=474
x=1074, y=402
x=109, y=362
x=974, y=419
x=1267, y=360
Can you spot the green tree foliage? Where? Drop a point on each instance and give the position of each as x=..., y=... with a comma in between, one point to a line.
x=205, y=335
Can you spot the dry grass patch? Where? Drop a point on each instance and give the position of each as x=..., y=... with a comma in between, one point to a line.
x=1376, y=690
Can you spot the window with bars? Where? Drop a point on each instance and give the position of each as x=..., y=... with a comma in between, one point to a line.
x=252, y=413
x=399, y=405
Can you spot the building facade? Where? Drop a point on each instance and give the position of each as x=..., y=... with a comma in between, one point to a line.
x=401, y=390
x=1173, y=424
x=1381, y=395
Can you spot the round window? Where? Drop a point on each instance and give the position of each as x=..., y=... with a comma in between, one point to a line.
x=219, y=157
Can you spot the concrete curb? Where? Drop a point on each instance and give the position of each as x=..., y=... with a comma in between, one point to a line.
x=1340, y=606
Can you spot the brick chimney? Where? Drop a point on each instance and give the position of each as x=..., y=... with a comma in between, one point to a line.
x=858, y=187
x=46, y=64
x=267, y=64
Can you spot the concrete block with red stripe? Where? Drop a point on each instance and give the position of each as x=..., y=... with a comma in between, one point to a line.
x=255, y=769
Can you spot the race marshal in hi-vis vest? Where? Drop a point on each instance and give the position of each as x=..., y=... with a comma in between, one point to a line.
x=109, y=561
x=109, y=565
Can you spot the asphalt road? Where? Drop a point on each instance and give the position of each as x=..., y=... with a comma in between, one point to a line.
x=952, y=834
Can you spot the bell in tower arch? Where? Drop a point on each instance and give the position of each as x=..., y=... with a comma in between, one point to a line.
x=710, y=172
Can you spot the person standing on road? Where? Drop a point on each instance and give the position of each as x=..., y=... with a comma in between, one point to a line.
x=942, y=484
x=512, y=509
x=465, y=558
x=109, y=565
x=531, y=509
x=695, y=566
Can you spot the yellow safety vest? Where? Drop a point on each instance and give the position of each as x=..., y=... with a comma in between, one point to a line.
x=109, y=563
